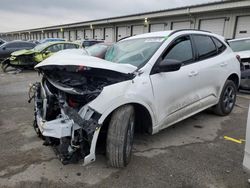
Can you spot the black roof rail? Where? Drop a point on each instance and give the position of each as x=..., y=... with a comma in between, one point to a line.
x=179, y=30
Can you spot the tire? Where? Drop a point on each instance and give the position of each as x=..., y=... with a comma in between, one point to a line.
x=227, y=99
x=5, y=65
x=120, y=136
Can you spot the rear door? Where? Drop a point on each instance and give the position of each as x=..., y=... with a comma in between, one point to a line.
x=51, y=50
x=211, y=67
x=8, y=48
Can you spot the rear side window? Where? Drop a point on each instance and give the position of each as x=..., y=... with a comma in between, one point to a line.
x=55, y=48
x=220, y=46
x=12, y=45
x=70, y=46
x=205, y=46
x=180, y=50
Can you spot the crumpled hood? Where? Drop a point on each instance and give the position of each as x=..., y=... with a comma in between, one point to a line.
x=61, y=59
x=244, y=54
x=23, y=52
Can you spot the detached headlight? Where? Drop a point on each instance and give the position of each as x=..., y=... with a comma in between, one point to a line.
x=12, y=58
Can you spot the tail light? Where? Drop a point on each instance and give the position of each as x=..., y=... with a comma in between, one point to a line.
x=238, y=57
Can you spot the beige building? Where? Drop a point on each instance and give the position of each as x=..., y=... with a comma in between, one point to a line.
x=230, y=19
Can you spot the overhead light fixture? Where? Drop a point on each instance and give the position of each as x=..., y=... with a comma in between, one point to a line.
x=91, y=26
x=61, y=29
x=146, y=20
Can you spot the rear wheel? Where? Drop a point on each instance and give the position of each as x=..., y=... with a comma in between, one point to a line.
x=4, y=65
x=227, y=99
x=120, y=136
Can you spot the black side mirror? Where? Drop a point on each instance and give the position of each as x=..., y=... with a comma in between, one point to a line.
x=4, y=48
x=169, y=65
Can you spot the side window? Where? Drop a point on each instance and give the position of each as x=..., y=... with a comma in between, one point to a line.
x=180, y=50
x=220, y=46
x=55, y=48
x=205, y=46
x=70, y=46
x=12, y=45
x=25, y=44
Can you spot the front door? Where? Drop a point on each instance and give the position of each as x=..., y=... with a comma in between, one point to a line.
x=175, y=92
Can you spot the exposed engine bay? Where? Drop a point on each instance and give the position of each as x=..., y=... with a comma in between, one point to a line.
x=62, y=115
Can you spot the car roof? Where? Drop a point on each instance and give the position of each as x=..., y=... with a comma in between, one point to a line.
x=171, y=32
x=97, y=40
x=248, y=38
x=60, y=42
x=19, y=41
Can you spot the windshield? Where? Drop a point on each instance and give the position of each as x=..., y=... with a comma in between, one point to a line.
x=241, y=45
x=40, y=47
x=135, y=51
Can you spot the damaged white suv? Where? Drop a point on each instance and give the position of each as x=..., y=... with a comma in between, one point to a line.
x=146, y=82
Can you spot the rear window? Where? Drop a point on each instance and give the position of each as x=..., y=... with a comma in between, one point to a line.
x=220, y=46
x=205, y=46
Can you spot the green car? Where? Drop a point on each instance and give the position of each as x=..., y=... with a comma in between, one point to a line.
x=30, y=58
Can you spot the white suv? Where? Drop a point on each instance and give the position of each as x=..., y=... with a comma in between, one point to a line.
x=148, y=81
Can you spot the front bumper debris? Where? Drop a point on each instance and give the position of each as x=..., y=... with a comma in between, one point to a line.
x=73, y=134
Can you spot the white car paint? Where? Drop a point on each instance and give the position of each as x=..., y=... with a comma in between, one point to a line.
x=246, y=160
x=169, y=97
x=63, y=59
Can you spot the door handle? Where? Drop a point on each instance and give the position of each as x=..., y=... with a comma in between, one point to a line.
x=223, y=64
x=193, y=73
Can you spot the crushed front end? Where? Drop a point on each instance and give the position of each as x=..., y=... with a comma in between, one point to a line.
x=23, y=61
x=62, y=115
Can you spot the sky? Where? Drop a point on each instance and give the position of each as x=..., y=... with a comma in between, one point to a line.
x=27, y=14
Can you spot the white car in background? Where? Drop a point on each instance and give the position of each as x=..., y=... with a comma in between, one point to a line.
x=242, y=48
x=150, y=81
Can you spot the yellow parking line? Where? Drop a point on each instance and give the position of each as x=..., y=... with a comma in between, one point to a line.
x=240, y=141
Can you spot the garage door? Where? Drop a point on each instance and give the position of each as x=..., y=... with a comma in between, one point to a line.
x=55, y=34
x=50, y=35
x=66, y=35
x=23, y=36
x=213, y=25
x=72, y=35
x=109, y=35
x=80, y=34
x=181, y=25
x=137, y=29
x=60, y=35
x=243, y=27
x=98, y=33
x=88, y=34
x=157, y=27
x=122, y=32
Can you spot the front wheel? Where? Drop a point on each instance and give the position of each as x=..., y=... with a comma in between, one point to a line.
x=120, y=136
x=227, y=99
